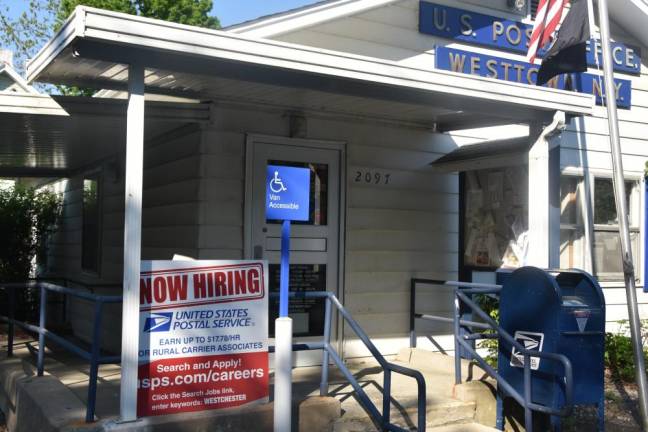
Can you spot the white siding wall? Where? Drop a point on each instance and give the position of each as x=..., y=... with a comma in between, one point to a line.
x=169, y=222
x=392, y=33
x=221, y=193
x=408, y=228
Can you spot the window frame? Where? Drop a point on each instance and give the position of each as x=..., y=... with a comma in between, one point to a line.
x=92, y=175
x=636, y=220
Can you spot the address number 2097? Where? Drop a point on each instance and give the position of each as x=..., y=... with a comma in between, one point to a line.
x=372, y=177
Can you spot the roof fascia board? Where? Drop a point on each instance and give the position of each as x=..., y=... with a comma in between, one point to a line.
x=180, y=111
x=125, y=38
x=29, y=103
x=486, y=162
x=17, y=79
x=106, y=84
x=34, y=172
x=285, y=23
x=73, y=27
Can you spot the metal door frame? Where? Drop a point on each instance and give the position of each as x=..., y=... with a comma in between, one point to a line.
x=340, y=146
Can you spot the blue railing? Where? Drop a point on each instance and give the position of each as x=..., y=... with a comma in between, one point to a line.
x=464, y=343
x=93, y=356
x=380, y=419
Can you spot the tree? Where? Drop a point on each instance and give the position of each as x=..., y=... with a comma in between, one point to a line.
x=191, y=12
x=30, y=30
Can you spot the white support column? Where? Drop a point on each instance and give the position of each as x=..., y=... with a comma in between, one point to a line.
x=132, y=242
x=544, y=197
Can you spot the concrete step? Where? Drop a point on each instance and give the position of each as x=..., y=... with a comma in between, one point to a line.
x=441, y=364
x=473, y=427
x=441, y=408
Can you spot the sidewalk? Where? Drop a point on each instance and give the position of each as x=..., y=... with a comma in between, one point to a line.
x=73, y=372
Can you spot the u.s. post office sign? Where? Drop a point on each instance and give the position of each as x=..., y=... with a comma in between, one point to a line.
x=485, y=30
x=521, y=72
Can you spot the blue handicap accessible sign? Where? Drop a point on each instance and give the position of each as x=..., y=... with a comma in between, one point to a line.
x=287, y=193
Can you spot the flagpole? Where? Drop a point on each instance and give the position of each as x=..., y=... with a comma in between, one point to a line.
x=622, y=212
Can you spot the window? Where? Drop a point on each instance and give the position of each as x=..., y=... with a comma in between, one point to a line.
x=605, y=246
x=572, y=226
x=91, y=230
x=495, y=217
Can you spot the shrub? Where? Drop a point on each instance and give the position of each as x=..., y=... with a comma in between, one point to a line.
x=27, y=216
x=489, y=305
x=619, y=357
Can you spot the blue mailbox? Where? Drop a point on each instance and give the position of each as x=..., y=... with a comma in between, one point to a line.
x=560, y=312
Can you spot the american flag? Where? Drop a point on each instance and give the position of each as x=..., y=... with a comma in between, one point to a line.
x=547, y=19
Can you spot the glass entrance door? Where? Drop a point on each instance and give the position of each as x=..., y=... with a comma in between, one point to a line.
x=314, y=243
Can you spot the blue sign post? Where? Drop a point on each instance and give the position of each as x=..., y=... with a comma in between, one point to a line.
x=287, y=199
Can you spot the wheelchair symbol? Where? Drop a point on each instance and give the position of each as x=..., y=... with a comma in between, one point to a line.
x=276, y=184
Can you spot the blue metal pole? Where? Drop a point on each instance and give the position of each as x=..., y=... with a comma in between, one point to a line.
x=285, y=269
x=645, y=288
x=325, y=353
x=41, y=331
x=11, y=292
x=412, y=313
x=94, y=363
x=386, y=397
x=528, y=414
x=499, y=411
x=601, y=415
x=457, y=346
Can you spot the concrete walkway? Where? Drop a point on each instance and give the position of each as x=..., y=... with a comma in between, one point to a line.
x=442, y=408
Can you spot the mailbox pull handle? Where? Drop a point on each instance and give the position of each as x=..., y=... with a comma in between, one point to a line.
x=583, y=333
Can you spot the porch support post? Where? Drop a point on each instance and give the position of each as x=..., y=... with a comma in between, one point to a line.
x=132, y=242
x=544, y=196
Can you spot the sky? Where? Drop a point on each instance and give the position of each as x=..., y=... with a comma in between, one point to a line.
x=228, y=11
x=235, y=11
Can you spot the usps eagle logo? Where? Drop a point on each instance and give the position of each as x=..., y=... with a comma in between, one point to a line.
x=158, y=322
x=530, y=341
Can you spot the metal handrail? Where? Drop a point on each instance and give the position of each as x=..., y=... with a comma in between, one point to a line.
x=464, y=342
x=462, y=296
x=93, y=356
x=413, y=315
x=388, y=368
x=66, y=281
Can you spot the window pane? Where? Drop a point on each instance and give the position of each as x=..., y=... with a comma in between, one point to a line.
x=604, y=204
x=307, y=314
x=90, y=233
x=571, y=248
x=569, y=207
x=495, y=217
x=318, y=210
x=607, y=254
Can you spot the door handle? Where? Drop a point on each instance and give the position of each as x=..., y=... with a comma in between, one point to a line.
x=258, y=252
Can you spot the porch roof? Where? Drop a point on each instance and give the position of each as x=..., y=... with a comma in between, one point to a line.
x=95, y=47
x=486, y=154
x=37, y=145
x=16, y=96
